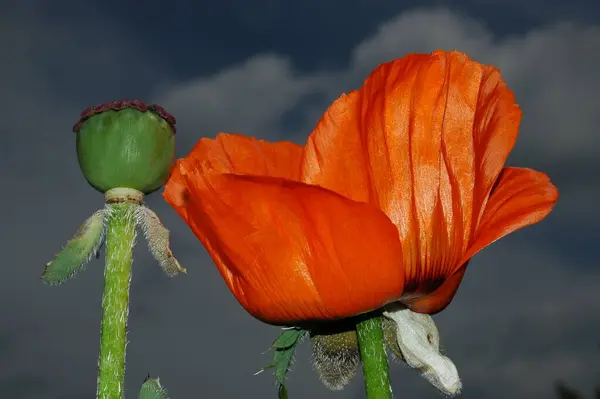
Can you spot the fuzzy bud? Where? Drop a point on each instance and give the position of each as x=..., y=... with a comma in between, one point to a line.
x=336, y=357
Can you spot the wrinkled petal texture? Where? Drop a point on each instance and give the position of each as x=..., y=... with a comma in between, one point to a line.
x=288, y=251
x=425, y=140
x=233, y=153
x=521, y=197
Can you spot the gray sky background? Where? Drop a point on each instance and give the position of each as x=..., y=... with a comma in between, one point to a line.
x=527, y=312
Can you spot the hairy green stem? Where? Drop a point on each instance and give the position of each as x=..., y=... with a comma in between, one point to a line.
x=120, y=239
x=374, y=359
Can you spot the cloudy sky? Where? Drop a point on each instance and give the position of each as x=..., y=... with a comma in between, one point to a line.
x=527, y=313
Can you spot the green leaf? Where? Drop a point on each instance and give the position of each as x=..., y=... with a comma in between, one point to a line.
x=283, y=393
x=288, y=338
x=151, y=389
x=283, y=355
x=283, y=359
x=78, y=251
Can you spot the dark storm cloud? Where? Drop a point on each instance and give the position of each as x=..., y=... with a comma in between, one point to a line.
x=205, y=35
x=517, y=322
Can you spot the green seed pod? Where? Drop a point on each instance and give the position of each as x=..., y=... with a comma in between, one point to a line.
x=126, y=144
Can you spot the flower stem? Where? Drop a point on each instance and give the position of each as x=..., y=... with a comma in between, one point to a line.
x=374, y=358
x=120, y=239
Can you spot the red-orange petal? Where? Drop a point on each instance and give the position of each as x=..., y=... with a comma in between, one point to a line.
x=496, y=128
x=234, y=153
x=335, y=156
x=440, y=298
x=292, y=252
x=521, y=197
x=424, y=139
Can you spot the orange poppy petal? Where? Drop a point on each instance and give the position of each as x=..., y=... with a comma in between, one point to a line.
x=496, y=128
x=292, y=252
x=233, y=153
x=521, y=197
x=175, y=192
x=424, y=139
x=440, y=298
x=334, y=155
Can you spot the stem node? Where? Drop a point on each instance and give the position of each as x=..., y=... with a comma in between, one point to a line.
x=123, y=194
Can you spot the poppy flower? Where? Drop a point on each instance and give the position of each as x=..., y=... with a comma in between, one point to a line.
x=398, y=186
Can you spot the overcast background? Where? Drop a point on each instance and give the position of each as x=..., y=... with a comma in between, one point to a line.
x=528, y=311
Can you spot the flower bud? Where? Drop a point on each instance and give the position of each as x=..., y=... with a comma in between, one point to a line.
x=126, y=144
x=336, y=357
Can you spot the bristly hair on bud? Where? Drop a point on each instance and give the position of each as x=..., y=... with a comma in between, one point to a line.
x=157, y=236
x=336, y=356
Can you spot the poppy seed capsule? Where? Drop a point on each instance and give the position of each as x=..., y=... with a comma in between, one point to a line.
x=126, y=144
